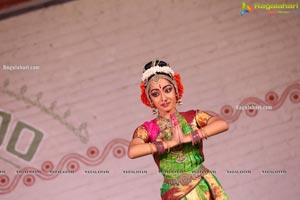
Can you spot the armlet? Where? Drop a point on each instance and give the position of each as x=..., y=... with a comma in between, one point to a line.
x=141, y=133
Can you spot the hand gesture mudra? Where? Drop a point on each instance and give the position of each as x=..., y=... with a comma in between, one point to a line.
x=177, y=135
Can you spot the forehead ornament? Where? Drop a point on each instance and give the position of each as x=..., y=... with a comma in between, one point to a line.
x=157, y=69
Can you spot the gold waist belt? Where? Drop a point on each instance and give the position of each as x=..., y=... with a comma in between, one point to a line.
x=186, y=178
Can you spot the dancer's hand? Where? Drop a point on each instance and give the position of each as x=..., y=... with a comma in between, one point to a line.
x=177, y=133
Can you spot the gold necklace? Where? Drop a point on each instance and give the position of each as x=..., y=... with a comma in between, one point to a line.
x=165, y=126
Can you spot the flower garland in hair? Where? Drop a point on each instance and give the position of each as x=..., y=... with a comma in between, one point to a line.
x=179, y=84
x=155, y=69
x=180, y=87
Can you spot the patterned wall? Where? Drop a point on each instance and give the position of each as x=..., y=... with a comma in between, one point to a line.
x=67, y=119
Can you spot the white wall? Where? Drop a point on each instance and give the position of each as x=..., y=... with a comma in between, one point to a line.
x=91, y=54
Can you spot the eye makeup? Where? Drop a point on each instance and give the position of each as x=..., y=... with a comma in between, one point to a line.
x=154, y=93
x=168, y=89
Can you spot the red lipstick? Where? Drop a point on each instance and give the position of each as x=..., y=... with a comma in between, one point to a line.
x=165, y=104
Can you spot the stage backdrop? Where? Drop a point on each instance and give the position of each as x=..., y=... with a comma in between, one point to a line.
x=68, y=116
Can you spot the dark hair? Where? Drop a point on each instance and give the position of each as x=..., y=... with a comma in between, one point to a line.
x=159, y=63
x=156, y=63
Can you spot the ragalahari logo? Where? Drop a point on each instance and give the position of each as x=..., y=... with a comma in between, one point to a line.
x=246, y=9
x=271, y=8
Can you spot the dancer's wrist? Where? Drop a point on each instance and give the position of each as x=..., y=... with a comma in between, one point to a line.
x=172, y=143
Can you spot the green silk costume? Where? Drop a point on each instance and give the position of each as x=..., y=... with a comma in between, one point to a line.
x=182, y=161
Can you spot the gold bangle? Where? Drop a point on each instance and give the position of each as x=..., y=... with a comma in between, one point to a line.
x=151, y=148
x=164, y=142
x=204, y=133
x=168, y=147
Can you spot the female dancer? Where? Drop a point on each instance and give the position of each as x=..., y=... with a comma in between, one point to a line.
x=175, y=138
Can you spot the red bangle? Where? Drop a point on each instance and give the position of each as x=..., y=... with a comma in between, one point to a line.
x=159, y=146
x=204, y=134
x=195, y=137
x=192, y=139
x=201, y=134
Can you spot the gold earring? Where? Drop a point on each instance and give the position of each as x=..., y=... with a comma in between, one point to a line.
x=154, y=111
x=179, y=101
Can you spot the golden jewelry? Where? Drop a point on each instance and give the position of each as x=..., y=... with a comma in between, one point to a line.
x=179, y=102
x=204, y=133
x=151, y=148
x=154, y=111
x=168, y=147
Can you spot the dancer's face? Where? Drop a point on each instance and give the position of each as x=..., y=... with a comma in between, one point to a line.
x=163, y=96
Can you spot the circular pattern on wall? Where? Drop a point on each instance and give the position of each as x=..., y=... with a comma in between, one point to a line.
x=73, y=166
x=47, y=166
x=4, y=180
x=92, y=152
x=29, y=180
x=271, y=98
x=251, y=112
x=295, y=97
x=119, y=151
x=227, y=110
